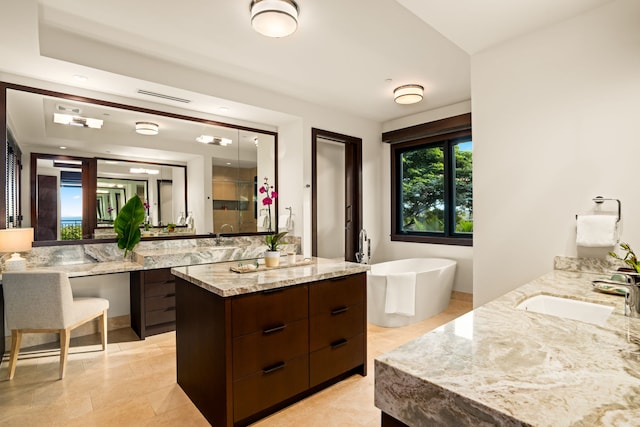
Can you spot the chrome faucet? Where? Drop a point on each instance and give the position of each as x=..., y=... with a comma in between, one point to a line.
x=361, y=256
x=218, y=237
x=632, y=297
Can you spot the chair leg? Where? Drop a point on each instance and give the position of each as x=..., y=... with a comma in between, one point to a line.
x=65, y=338
x=16, y=339
x=102, y=324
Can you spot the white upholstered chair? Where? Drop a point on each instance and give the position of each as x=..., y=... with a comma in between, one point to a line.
x=42, y=302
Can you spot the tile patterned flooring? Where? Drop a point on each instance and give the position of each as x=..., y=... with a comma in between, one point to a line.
x=134, y=384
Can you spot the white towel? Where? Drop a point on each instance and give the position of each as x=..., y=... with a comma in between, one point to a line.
x=282, y=222
x=597, y=231
x=401, y=294
x=285, y=223
x=263, y=222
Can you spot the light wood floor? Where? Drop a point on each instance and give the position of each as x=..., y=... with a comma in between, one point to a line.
x=134, y=384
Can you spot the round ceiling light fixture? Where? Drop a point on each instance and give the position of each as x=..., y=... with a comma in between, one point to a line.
x=274, y=18
x=147, y=128
x=408, y=94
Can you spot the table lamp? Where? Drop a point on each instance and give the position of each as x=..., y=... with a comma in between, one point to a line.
x=15, y=240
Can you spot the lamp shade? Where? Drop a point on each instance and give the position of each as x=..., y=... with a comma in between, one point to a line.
x=147, y=128
x=408, y=94
x=274, y=18
x=16, y=239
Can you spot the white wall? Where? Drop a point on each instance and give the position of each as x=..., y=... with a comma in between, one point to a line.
x=555, y=118
x=389, y=250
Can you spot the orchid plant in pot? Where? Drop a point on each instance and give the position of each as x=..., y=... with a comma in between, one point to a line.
x=270, y=195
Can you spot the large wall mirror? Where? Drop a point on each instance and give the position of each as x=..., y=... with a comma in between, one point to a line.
x=83, y=159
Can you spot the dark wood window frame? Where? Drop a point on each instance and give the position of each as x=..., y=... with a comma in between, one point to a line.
x=438, y=133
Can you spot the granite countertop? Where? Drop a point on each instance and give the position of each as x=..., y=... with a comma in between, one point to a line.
x=219, y=279
x=499, y=365
x=92, y=259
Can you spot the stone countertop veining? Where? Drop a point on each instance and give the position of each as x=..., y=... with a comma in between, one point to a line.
x=219, y=279
x=499, y=365
x=92, y=259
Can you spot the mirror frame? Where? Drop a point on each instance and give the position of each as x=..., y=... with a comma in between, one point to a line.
x=4, y=86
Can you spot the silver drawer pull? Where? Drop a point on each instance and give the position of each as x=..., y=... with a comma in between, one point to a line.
x=273, y=368
x=339, y=310
x=274, y=329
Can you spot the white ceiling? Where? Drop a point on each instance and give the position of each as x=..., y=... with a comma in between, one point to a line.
x=477, y=25
x=341, y=57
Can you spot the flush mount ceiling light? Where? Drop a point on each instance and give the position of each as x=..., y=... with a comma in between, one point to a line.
x=85, y=122
x=408, y=94
x=214, y=140
x=147, y=128
x=143, y=170
x=274, y=18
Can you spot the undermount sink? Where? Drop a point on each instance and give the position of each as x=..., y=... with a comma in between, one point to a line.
x=583, y=311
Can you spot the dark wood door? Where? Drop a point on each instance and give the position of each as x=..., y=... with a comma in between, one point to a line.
x=353, y=190
x=47, y=202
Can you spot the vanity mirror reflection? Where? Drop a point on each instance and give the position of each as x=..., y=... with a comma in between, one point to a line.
x=184, y=169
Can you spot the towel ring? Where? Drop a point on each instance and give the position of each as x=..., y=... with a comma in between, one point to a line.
x=600, y=200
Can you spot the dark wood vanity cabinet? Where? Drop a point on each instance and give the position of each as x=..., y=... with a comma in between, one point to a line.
x=153, y=302
x=337, y=321
x=241, y=358
x=2, y=322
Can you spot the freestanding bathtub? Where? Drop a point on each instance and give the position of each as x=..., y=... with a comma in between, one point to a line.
x=433, y=284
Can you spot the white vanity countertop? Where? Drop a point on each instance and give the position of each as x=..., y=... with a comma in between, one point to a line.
x=219, y=279
x=499, y=365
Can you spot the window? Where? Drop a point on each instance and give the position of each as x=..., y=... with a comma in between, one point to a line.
x=431, y=181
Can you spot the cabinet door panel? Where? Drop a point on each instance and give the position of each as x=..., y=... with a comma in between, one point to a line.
x=270, y=386
x=328, y=328
x=262, y=310
x=336, y=359
x=334, y=294
x=251, y=353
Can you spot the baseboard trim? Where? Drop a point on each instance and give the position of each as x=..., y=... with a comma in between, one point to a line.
x=462, y=296
x=89, y=328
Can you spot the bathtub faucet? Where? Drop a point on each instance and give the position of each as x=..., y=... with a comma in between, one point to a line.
x=361, y=256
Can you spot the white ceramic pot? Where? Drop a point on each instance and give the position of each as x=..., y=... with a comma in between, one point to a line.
x=272, y=258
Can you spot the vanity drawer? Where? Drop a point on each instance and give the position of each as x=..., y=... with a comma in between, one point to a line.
x=329, y=295
x=341, y=356
x=156, y=317
x=262, y=310
x=160, y=303
x=271, y=385
x=251, y=353
x=159, y=275
x=159, y=289
x=326, y=329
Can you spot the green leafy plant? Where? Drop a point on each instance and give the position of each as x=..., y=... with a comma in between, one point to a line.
x=127, y=224
x=273, y=240
x=630, y=257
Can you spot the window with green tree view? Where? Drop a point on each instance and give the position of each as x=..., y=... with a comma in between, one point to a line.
x=432, y=191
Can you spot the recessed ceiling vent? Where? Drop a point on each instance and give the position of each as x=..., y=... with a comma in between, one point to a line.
x=163, y=96
x=68, y=109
